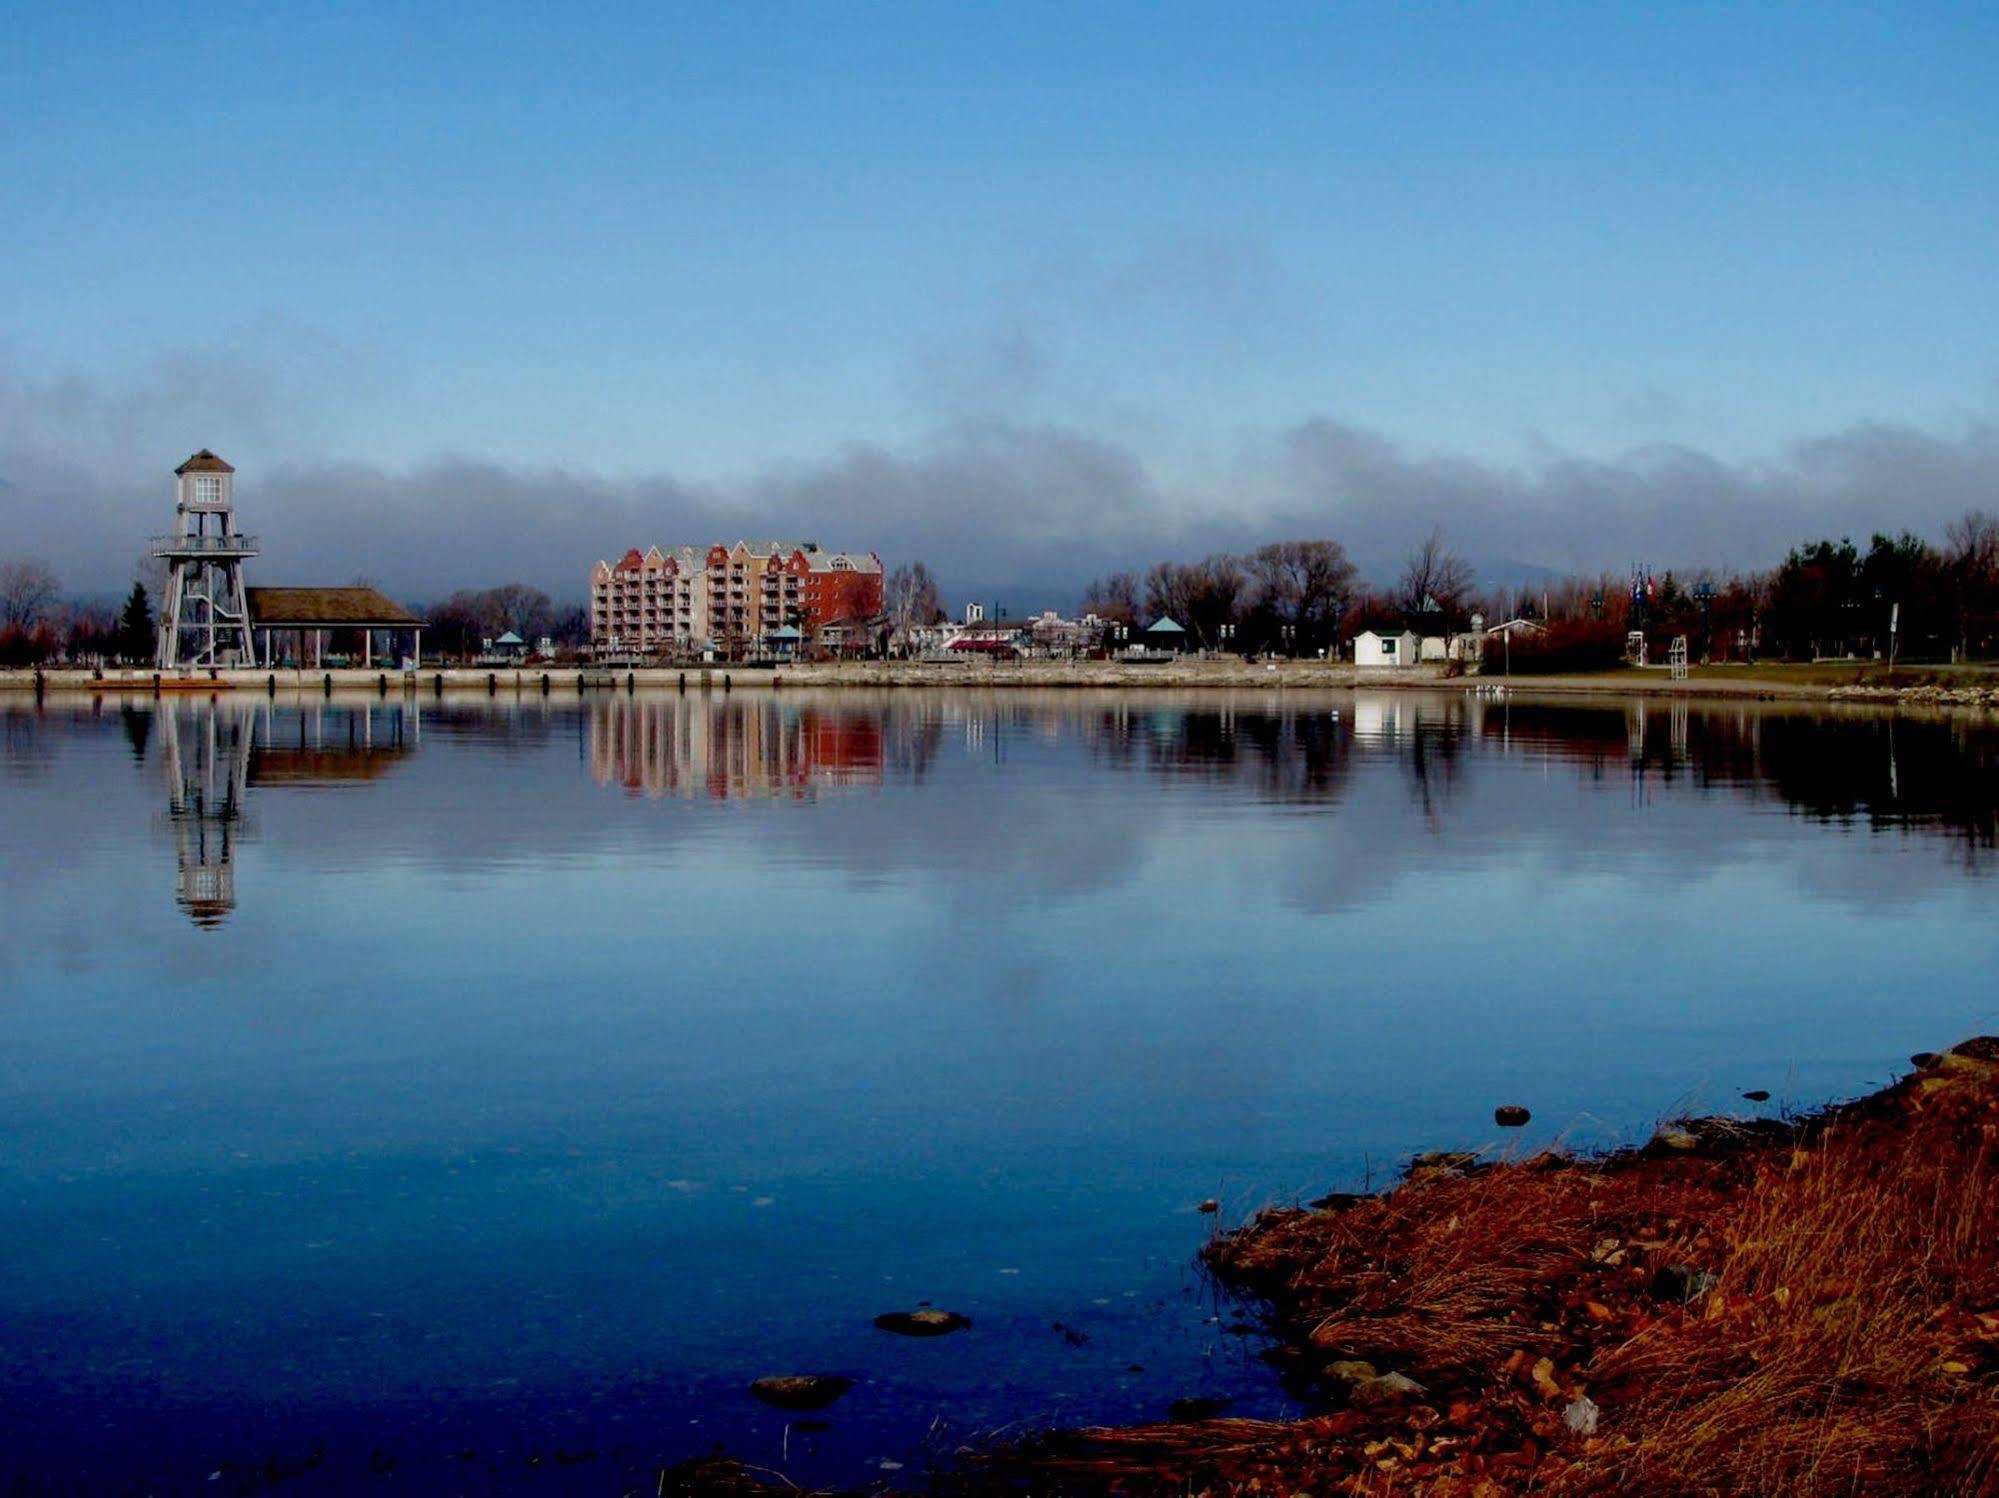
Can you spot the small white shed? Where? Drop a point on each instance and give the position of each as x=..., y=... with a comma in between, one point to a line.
x=1386, y=647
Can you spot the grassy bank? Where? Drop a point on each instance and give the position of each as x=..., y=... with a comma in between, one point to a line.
x=1736, y=1308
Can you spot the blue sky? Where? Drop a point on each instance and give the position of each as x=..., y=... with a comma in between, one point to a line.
x=726, y=248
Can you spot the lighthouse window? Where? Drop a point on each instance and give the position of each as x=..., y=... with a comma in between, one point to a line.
x=207, y=489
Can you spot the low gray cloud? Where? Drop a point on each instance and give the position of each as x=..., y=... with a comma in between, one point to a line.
x=1003, y=506
x=1673, y=505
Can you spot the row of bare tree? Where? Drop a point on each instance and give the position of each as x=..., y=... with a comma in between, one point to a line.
x=1901, y=594
x=1297, y=596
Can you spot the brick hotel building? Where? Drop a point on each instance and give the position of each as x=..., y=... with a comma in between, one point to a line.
x=753, y=596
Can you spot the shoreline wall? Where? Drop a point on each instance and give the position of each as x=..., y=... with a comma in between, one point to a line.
x=985, y=675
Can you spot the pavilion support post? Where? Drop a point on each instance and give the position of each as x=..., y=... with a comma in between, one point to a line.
x=367, y=648
x=416, y=649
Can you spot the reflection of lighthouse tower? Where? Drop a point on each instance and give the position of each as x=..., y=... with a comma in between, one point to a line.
x=207, y=760
x=205, y=617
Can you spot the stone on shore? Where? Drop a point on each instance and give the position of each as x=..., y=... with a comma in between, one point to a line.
x=1581, y=1416
x=1439, y=1162
x=1681, y=1284
x=1386, y=1388
x=1977, y=1057
x=1352, y=1370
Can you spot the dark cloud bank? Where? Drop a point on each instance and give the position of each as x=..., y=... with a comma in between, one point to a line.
x=1009, y=509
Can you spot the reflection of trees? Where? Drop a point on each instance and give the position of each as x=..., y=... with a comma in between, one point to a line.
x=26, y=753
x=138, y=729
x=1933, y=776
x=1282, y=753
x=1435, y=763
x=1887, y=770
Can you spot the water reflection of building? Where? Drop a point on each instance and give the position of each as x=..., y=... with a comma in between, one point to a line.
x=214, y=753
x=732, y=747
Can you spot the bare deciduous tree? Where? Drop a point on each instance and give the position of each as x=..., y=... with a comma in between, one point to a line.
x=911, y=598
x=1435, y=579
x=1971, y=560
x=27, y=588
x=1114, y=598
x=1305, y=584
x=1200, y=596
x=1972, y=543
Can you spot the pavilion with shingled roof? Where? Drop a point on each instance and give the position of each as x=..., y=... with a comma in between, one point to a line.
x=290, y=623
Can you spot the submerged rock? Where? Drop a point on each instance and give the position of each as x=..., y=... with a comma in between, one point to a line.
x=801, y=1391
x=1511, y=1116
x=1757, y=1095
x=1210, y=1206
x=922, y=1322
x=1187, y=1411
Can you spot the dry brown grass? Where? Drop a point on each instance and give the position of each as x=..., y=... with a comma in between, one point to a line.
x=1850, y=1343
x=1842, y=1351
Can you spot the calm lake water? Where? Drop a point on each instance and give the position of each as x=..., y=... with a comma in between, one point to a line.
x=514, y=1078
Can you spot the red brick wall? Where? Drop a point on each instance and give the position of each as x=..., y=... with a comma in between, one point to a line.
x=831, y=595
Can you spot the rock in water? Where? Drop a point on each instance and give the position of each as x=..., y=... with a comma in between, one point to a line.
x=801, y=1391
x=1210, y=1205
x=1511, y=1116
x=1757, y=1095
x=1388, y=1388
x=924, y=1322
x=1186, y=1411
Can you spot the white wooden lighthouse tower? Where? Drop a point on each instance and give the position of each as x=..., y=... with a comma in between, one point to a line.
x=205, y=616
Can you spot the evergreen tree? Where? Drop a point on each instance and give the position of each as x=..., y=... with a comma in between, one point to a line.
x=135, y=626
